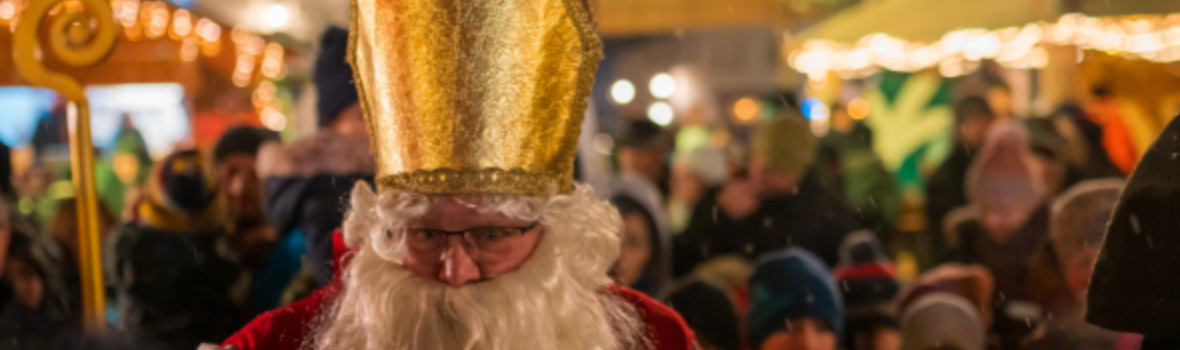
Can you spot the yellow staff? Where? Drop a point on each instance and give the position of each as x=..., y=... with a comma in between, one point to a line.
x=75, y=42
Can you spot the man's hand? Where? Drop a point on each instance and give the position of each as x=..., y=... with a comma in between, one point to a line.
x=207, y=346
x=738, y=199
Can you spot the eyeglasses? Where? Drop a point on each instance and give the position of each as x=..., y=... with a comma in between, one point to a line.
x=492, y=241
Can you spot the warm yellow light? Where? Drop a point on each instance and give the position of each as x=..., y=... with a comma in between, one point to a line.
x=208, y=30
x=745, y=109
x=129, y=13
x=858, y=108
x=272, y=61
x=7, y=10
x=189, y=49
x=958, y=52
x=182, y=23
x=255, y=45
x=273, y=119
x=264, y=94
x=159, y=20
x=276, y=16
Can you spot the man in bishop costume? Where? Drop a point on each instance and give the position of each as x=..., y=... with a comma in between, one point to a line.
x=476, y=236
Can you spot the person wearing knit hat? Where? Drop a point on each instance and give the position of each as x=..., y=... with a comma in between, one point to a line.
x=794, y=303
x=337, y=104
x=868, y=285
x=305, y=181
x=181, y=195
x=167, y=267
x=781, y=204
x=945, y=189
x=942, y=320
x=1004, y=186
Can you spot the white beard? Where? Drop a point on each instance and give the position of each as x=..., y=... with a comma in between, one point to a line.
x=555, y=300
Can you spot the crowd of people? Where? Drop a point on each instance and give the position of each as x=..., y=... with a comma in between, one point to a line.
x=787, y=245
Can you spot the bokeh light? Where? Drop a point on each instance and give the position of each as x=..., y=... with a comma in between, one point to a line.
x=661, y=113
x=276, y=16
x=662, y=85
x=622, y=91
x=858, y=108
x=745, y=109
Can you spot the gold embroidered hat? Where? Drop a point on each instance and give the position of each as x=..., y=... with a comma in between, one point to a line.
x=474, y=96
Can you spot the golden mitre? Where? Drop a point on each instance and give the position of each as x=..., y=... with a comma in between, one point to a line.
x=474, y=96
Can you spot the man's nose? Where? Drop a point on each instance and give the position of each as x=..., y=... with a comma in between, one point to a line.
x=458, y=267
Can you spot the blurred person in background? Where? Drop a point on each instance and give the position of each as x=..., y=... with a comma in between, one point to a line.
x=34, y=311
x=944, y=189
x=861, y=178
x=710, y=313
x=942, y=321
x=124, y=168
x=1064, y=268
x=1105, y=111
x=307, y=181
x=1084, y=138
x=794, y=303
x=643, y=151
x=999, y=98
x=868, y=286
x=1053, y=152
x=240, y=188
x=7, y=189
x=644, y=259
x=64, y=250
x=1134, y=286
x=781, y=204
x=693, y=174
x=175, y=280
x=972, y=282
x=1006, y=190
x=271, y=266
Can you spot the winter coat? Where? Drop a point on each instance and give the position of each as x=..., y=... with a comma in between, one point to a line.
x=944, y=192
x=812, y=218
x=1134, y=287
x=307, y=183
x=50, y=325
x=862, y=179
x=1009, y=264
x=174, y=287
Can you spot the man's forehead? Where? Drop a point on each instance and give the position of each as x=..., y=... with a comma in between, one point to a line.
x=461, y=212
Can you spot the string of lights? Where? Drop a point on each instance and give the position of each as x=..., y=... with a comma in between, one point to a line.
x=256, y=62
x=1154, y=38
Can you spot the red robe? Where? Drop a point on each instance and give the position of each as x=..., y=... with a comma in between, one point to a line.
x=286, y=328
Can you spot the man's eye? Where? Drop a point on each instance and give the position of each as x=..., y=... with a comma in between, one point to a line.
x=425, y=235
x=490, y=235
